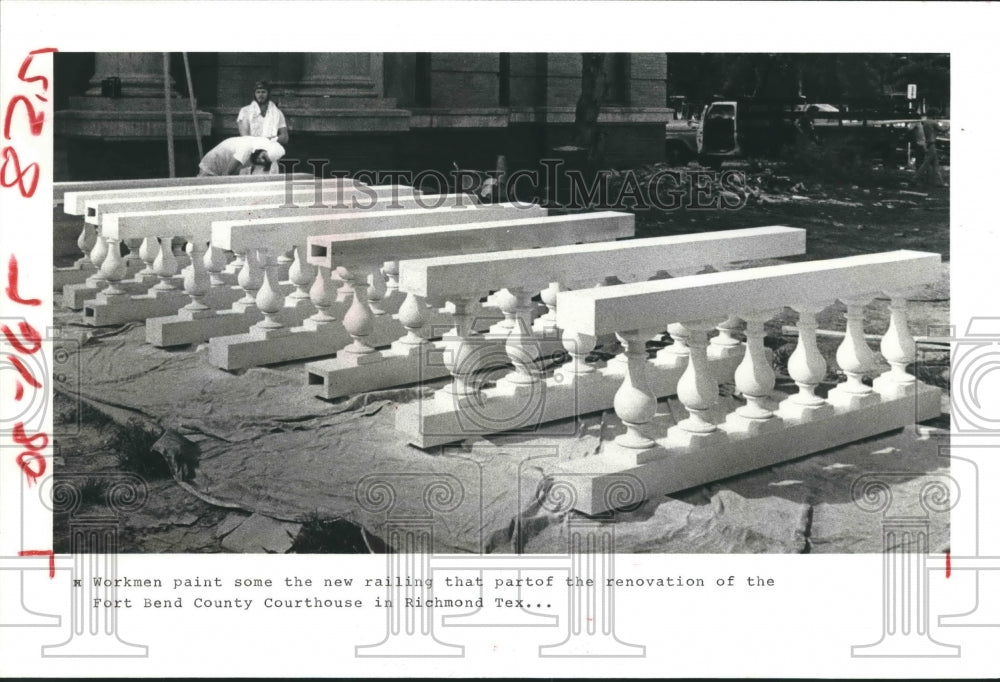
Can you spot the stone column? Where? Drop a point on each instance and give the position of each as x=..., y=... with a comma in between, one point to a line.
x=141, y=73
x=351, y=74
x=122, y=136
x=340, y=92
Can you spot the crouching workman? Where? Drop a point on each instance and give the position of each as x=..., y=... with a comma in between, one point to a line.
x=242, y=156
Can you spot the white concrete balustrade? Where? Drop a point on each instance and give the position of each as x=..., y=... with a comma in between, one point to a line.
x=770, y=427
x=408, y=359
x=74, y=195
x=261, y=238
x=195, y=225
x=363, y=252
x=577, y=387
x=254, y=345
x=83, y=267
x=311, y=194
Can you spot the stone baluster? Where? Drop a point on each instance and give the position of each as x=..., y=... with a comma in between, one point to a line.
x=725, y=344
x=132, y=257
x=376, y=291
x=698, y=390
x=578, y=346
x=755, y=380
x=359, y=320
x=506, y=302
x=546, y=324
x=165, y=266
x=250, y=279
x=393, y=297
x=268, y=300
x=855, y=359
x=237, y=265
x=634, y=402
x=522, y=348
x=413, y=316
x=196, y=279
x=113, y=269
x=284, y=262
x=86, y=242
x=677, y=353
x=214, y=262
x=321, y=297
x=148, y=252
x=458, y=356
x=391, y=270
x=807, y=367
x=898, y=349
x=97, y=256
x=302, y=275
x=346, y=289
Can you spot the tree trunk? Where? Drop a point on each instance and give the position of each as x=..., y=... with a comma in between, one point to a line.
x=593, y=87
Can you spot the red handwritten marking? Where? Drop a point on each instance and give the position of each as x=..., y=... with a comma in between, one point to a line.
x=30, y=472
x=947, y=564
x=36, y=118
x=22, y=438
x=23, y=71
x=29, y=333
x=42, y=552
x=12, y=292
x=19, y=366
x=30, y=462
x=27, y=191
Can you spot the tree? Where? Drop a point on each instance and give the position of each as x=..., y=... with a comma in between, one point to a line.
x=593, y=90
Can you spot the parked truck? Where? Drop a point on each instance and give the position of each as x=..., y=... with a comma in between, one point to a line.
x=749, y=128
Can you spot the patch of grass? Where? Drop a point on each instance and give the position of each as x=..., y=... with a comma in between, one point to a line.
x=324, y=536
x=133, y=446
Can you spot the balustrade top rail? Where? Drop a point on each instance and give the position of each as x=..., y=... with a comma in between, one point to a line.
x=298, y=194
x=649, y=305
x=239, y=235
x=76, y=201
x=59, y=189
x=333, y=250
x=534, y=269
x=197, y=222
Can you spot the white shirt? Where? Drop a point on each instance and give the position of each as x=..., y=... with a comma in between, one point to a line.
x=218, y=160
x=262, y=126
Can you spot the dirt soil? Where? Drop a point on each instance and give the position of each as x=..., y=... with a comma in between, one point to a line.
x=842, y=219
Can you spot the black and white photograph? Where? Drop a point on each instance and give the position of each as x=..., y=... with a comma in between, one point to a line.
x=471, y=338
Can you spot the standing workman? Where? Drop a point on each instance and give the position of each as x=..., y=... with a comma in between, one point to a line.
x=241, y=156
x=262, y=118
x=929, y=170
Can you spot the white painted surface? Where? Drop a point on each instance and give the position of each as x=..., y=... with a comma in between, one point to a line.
x=462, y=238
x=300, y=194
x=534, y=269
x=238, y=235
x=197, y=222
x=181, y=185
x=75, y=202
x=650, y=304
